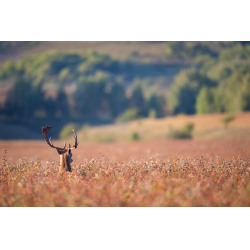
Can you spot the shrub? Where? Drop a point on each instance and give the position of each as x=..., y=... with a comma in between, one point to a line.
x=129, y=115
x=178, y=134
x=185, y=133
x=227, y=119
x=134, y=136
x=189, y=127
x=152, y=113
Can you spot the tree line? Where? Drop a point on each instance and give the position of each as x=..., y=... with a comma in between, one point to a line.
x=217, y=83
x=85, y=84
x=93, y=85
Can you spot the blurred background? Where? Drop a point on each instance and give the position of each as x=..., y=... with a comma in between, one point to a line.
x=116, y=91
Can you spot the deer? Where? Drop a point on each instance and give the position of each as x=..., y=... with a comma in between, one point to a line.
x=65, y=154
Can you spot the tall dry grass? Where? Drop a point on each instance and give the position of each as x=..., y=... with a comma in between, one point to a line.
x=149, y=181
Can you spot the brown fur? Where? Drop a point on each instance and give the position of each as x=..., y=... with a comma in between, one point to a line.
x=64, y=163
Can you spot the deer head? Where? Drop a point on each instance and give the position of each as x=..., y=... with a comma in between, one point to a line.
x=65, y=154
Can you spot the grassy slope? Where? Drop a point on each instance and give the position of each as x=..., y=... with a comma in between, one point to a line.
x=205, y=127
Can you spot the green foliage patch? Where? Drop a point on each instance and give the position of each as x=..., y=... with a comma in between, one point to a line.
x=68, y=130
x=129, y=115
x=134, y=136
x=220, y=82
x=85, y=84
x=184, y=133
x=227, y=119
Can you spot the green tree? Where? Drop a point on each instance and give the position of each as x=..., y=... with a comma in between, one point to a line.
x=24, y=99
x=209, y=100
x=10, y=67
x=65, y=75
x=188, y=49
x=185, y=89
x=90, y=95
x=117, y=100
x=236, y=53
x=137, y=100
x=156, y=103
x=231, y=95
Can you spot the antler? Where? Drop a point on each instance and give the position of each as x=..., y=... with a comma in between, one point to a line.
x=76, y=142
x=45, y=135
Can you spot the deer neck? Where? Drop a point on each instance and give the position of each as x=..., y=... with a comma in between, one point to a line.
x=65, y=162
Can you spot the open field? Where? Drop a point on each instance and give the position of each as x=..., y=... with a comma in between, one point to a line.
x=124, y=160
x=141, y=173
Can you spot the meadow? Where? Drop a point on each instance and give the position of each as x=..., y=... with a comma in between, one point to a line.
x=140, y=173
x=151, y=96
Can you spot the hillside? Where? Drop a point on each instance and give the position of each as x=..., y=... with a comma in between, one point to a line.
x=97, y=83
x=148, y=58
x=205, y=127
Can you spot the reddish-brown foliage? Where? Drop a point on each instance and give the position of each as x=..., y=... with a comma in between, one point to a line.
x=153, y=173
x=39, y=150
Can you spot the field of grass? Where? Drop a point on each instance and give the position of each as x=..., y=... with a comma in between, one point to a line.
x=129, y=164
x=141, y=173
x=109, y=169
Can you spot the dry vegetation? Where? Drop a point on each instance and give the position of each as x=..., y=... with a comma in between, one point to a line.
x=151, y=173
x=212, y=169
